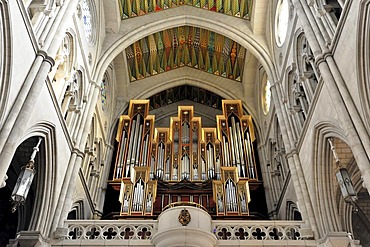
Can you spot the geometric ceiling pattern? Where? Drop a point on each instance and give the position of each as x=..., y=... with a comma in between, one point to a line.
x=238, y=8
x=185, y=46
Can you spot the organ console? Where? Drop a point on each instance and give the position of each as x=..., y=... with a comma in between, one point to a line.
x=213, y=167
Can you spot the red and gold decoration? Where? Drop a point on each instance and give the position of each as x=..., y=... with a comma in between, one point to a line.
x=185, y=46
x=237, y=8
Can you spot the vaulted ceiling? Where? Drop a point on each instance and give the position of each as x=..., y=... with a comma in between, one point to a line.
x=133, y=8
x=213, y=45
x=185, y=46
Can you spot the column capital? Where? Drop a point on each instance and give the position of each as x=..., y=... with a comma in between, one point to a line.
x=46, y=57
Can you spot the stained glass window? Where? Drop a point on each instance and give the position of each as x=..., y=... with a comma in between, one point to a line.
x=103, y=95
x=266, y=95
x=281, y=21
x=87, y=20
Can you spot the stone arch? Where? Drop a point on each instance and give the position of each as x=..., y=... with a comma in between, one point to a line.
x=345, y=209
x=77, y=211
x=46, y=202
x=5, y=57
x=156, y=24
x=363, y=61
x=292, y=211
x=40, y=203
x=325, y=187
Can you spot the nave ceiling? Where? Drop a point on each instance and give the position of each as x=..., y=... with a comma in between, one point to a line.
x=222, y=42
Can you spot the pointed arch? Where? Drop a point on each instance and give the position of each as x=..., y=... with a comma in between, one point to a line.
x=326, y=200
x=45, y=202
x=363, y=61
x=5, y=57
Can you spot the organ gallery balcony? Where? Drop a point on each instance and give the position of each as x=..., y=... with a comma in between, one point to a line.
x=182, y=224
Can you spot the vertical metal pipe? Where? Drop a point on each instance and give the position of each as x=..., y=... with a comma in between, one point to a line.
x=228, y=196
x=234, y=199
x=138, y=148
x=241, y=149
x=134, y=198
x=133, y=155
x=236, y=146
x=203, y=169
x=130, y=144
x=232, y=151
x=168, y=169
x=152, y=166
x=239, y=136
x=251, y=165
x=227, y=154
x=141, y=197
x=145, y=150
x=121, y=155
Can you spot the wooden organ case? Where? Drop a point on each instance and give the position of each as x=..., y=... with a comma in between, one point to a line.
x=185, y=163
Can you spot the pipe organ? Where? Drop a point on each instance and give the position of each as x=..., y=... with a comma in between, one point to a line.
x=185, y=162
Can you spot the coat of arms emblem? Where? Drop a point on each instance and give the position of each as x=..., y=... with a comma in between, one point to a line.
x=184, y=217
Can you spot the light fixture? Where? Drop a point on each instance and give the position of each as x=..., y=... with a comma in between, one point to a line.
x=346, y=186
x=344, y=179
x=24, y=180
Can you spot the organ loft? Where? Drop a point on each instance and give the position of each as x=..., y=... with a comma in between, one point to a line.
x=185, y=164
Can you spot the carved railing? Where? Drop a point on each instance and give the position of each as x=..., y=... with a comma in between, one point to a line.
x=256, y=230
x=144, y=230
x=111, y=230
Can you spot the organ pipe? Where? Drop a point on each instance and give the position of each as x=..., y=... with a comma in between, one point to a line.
x=131, y=141
x=185, y=150
x=232, y=148
x=136, y=141
x=251, y=165
x=242, y=162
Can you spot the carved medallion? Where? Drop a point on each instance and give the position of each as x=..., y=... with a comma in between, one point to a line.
x=184, y=217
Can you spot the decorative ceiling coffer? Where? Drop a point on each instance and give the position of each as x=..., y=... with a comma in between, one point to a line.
x=189, y=46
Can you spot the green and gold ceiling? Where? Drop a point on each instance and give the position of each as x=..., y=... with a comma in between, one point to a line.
x=238, y=8
x=185, y=46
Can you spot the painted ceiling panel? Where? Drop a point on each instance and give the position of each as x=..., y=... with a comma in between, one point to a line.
x=185, y=46
x=238, y=8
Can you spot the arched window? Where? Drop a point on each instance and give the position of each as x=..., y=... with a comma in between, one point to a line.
x=40, y=12
x=297, y=104
x=266, y=94
x=307, y=70
x=73, y=103
x=330, y=13
x=302, y=83
x=77, y=211
x=292, y=212
x=62, y=72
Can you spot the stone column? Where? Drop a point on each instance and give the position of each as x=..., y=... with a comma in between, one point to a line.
x=13, y=128
x=69, y=184
x=295, y=169
x=356, y=132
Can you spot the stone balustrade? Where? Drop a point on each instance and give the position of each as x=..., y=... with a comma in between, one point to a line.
x=145, y=229
x=256, y=230
x=111, y=229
